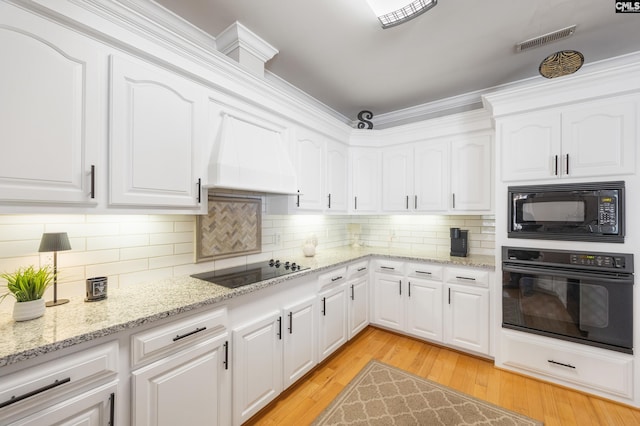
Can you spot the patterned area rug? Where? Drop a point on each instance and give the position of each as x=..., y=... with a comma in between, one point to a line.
x=384, y=395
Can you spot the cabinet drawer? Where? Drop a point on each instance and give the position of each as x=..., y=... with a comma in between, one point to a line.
x=475, y=277
x=357, y=269
x=52, y=380
x=425, y=271
x=389, y=266
x=164, y=339
x=334, y=277
x=596, y=368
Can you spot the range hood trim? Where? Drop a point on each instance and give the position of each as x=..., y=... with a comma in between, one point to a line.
x=251, y=157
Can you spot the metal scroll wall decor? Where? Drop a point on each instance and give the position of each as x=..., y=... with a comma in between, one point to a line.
x=364, y=117
x=561, y=63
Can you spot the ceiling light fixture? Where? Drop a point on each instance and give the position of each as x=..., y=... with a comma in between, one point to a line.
x=395, y=12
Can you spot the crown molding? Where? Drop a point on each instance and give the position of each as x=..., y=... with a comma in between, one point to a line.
x=237, y=36
x=616, y=76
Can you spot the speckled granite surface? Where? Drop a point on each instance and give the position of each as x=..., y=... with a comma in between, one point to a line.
x=76, y=322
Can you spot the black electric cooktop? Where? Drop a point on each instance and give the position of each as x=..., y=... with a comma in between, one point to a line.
x=249, y=274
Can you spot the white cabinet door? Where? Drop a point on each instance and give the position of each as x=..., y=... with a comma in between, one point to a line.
x=388, y=302
x=337, y=168
x=95, y=407
x=358, y=289
x=431, y=175
x=257, y=365
x=471, y=177
x=299, y=335
x=311, y=169
x=600, y=139
x=158, y=121
x=397, y=179
x=191, y=386
x=585, y=140
x=531, y=147
x=424, y=308
x=365, y=180
x=333, y=324
x=51, y=111
x=467, y=318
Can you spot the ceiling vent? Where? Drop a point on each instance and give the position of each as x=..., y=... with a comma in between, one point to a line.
x=545, y=39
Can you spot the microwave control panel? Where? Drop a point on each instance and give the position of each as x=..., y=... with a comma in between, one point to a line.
x=608, y=212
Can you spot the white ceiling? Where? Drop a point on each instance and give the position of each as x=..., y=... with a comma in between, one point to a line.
x=336, y=51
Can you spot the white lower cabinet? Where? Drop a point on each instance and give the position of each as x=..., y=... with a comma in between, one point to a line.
x=257, y=365
x=333, y=321
x=189, y=387
x=92, y=408
x=466, y=318
x=424, y=307
x=270, y=354
x=299, y=340
x=80, y=388
x=412, y=302
x=188, y=378
x=358, y=292
x=418, y=303
x=568, y=363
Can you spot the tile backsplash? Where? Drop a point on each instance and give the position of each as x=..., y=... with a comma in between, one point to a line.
x=132, y=248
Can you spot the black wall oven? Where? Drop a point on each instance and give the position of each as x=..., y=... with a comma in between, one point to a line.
x=578, y=296
x=570, y=212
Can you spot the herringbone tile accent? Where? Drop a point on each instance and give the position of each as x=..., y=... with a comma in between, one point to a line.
x=232, y=227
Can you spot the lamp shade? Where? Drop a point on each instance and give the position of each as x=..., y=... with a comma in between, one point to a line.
x=54, y=241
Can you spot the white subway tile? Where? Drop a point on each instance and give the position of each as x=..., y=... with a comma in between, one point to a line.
x=101, y=243
x=145, y=252
x=117, y=268
x=172, y=238
x=167, y=261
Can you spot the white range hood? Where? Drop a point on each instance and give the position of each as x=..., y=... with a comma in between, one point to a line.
x=250, y=157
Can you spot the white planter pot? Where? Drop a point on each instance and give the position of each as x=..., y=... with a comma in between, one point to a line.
x=23, y=311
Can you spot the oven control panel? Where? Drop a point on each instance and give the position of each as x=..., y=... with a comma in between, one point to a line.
x=597, y=260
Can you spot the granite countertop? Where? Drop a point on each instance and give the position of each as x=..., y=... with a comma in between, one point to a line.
x=126, y=308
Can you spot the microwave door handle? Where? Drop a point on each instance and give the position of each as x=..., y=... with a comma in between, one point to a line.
x=567, y=274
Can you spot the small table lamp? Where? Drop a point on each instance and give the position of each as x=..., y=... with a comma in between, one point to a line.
x=55, y=242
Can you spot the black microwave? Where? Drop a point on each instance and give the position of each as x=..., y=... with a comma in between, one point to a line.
x=591, y=211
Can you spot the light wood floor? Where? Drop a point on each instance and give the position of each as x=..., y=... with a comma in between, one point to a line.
x=477, y=377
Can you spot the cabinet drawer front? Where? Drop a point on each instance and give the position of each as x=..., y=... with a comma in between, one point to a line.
x=357, y=269
x=389, y=266
x=608, y=372
x=475, y=277
x=425, y=271
x=334, y=277
x=53, y=379
x=164, y=339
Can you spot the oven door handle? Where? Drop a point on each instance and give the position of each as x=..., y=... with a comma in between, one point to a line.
x=591, y=276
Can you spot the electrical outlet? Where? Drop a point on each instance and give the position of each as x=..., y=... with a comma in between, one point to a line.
x=277, y=239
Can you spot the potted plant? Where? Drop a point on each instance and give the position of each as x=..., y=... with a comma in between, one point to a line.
x=27, y=285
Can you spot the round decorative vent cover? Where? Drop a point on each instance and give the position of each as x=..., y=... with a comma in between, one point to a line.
x=561, y=63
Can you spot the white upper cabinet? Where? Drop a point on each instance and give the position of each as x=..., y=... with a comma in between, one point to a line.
x=311, y=166
x=471, y=173
x=590, y=139
x=531, y=146
x=416, y=178
x=337, y=166
x=397, y=179
x=51, y=125
x=431, y=177
x=365, y=180
x=443, y=175
x=599, y=138
x=322, y=174
x=158, y=122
